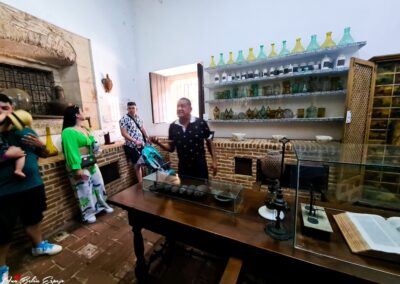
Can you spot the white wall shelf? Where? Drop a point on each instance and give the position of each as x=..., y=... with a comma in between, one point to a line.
x=333, y=52
x=275, y=97
x=326, y=72
x=279, y=120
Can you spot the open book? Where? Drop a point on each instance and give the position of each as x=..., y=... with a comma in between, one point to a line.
x=370, y=234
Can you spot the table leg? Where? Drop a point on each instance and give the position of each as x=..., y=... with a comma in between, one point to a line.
x=141, y=270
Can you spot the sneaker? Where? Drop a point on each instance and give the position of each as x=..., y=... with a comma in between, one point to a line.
x=109, y=210
x=4, y=274
x=45, y=248
x=91, y=220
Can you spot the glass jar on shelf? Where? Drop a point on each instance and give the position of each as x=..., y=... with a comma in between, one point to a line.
x=312, y=111
x=277, y=88
x=287, y=87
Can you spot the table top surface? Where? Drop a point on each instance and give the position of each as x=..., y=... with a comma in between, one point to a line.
x=247, y=227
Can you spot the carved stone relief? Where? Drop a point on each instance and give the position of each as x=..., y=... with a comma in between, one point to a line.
x=26, y=37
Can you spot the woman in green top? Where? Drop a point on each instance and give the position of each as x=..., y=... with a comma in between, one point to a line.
x=87, y=182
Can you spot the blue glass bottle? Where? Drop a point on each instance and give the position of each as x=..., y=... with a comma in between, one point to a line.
x=284, y=51
x=347, y=38
x=261, y=54
x=313, y=45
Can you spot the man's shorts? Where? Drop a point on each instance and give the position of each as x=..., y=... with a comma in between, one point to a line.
x=133, y=154
x=27, y=206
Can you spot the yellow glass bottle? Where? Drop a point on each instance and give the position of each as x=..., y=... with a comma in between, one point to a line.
x=328, y=41
x=230, y=61
x=273, y=52
x=298, y=47
x=251, y=56
x=49, y=143
x=212, y=63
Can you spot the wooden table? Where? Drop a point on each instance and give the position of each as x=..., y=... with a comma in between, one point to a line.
x=242, y=236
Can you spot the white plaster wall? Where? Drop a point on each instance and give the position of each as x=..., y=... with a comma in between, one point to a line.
x=133, y=37
x=177, y=32
x=109, y=26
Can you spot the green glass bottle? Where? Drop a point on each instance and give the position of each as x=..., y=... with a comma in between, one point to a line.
x=347, y=38
x=284, y=50
x=261, y=54
x=313, y=45
x=240, y=58
x=221, y=60
x=328, y=41
x=273, y=53
x=298, y=48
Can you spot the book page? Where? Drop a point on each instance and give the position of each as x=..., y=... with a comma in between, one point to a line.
x=377, y=232
x=394, y=221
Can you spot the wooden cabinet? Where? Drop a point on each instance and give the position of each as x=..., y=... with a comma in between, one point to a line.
x=384, y=122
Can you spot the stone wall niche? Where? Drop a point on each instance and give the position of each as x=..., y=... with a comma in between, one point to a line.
x=28, y=41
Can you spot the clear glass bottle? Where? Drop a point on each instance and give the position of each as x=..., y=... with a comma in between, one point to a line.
x=328, y=41
x=273, y=53
x=326, y=63
x=237, y=76
x=265, y=72
x=261, y=54
x=272, y=72
x=221, y=60
x=216, y=78
x=340, y=61
x=250, y=57
x=298, y=48
x=244, y=75
x=313, y=45
x=230, y=61
x=284, y=51
x=240, y=58
x=49, y=143
x=212, y=63
x=346, y=38
x=281, y=70
x=224, y=77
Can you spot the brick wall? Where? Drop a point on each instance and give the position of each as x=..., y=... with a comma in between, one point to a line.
x=62, y=206
x=227, y=150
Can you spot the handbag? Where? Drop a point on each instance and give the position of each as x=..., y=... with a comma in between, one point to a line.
x=88, y=160
x=137, y=125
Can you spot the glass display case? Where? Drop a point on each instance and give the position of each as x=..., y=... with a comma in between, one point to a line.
x=219, y=195
x=334, y=178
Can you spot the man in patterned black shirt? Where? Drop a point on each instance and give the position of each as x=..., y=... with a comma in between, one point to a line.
x=187, y=135
x=135, y=135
